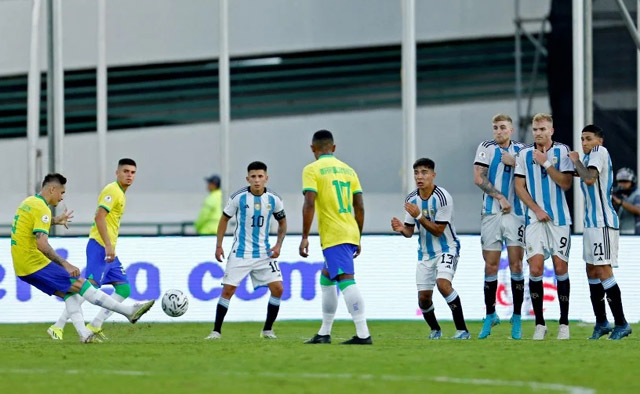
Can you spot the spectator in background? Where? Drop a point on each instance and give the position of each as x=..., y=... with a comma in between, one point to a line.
x=209, y=216
x=626, y=199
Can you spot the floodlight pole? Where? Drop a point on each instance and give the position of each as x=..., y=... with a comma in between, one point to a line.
x=408, y=92
x=224, y=94
x=33, y=99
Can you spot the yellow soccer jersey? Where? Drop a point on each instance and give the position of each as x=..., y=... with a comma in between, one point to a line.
x=112, y=199
x=33, y=216
x=335, y=184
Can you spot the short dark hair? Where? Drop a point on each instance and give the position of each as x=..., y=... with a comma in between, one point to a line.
x=256, y=165
x=54, y=178
x=424, y=162
x=322, y=136
x=127, y=162
x=591, y=128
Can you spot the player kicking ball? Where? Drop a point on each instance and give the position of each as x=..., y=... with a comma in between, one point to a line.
x=37, y=263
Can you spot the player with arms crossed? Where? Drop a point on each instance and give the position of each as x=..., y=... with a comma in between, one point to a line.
x=502, y=220
x=37, y=263
x=251, y=253
x=601, y=232
x=543, y=173
x=332, y=187
x=430, y=207
x=103, y=265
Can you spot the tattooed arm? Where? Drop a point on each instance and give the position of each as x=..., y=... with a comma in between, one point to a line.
x=588, y=175
x=42, y=243
x=482, y=181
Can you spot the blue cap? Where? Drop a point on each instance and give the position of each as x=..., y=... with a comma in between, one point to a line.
x=213, y=179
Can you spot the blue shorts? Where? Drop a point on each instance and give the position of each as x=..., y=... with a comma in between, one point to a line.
x=49, y=279
x=101, y=271
x=338, y=259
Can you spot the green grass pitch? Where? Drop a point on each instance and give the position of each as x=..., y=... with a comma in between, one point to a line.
x=174, y=358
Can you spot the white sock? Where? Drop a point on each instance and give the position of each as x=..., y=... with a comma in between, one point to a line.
x=355, y=306
x=103, y=314
x=75, y=313
x=100, y=298
x=329, y=306
x=62, y=320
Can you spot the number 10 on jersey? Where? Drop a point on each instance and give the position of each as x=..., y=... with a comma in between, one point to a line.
x=343, y=197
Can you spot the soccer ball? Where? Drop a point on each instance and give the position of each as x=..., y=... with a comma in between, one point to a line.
x=174, y=303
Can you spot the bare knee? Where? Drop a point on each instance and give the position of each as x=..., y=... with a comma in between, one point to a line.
x=425, y=299
x=228, y=291
x=491, y=262
x=276, y=289
x=444, y=287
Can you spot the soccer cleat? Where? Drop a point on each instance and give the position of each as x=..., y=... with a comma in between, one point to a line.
x=98, y=331
x=563, y=331
x=461, y=334
x=268, y=334
x=620, y=332
x=539, y=333
x=214, y=335
x=319, y=339
x=91, y=338
x=489, y=321
x=516, y=326
x=600, y=330
x=356, y=340
x=435, y=334
x=140, y=309
x=55, y=333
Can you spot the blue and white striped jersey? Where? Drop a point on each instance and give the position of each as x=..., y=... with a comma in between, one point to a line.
x=489, y=154
x=253, y=217
x=438, y=208
x=598, y=209
x=544, y=191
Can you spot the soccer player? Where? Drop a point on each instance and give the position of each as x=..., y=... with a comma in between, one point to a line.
x=430, y=207
x=502, y=220
x=332, y=187
x=251, y=253
x=601, y=232
x=103, y=265
x=36, y=263
x=543, y=173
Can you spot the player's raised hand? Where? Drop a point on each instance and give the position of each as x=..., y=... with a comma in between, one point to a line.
x=540, y=157
x=304, y=247
x=274, y=252
x=109, y=253
x=574, y=156
x=72, y=269
x=397, y=225
x=64, y=218
x=508, y=159
x=412, y=209
x=219, y=253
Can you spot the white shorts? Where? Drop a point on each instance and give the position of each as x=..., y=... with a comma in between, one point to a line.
x=499, y=228
x=600, y=246
x=548, y=239
x=262, y=270
x=440, y=267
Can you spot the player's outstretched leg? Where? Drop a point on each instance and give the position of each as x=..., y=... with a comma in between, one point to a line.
x=272, y=310
x=491, y=319
x=329, y=307
x=121, y=293
x=97, y=297
x=355, y=306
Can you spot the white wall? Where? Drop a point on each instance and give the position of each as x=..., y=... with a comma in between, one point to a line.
x=147, y=31
x=172, y=161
